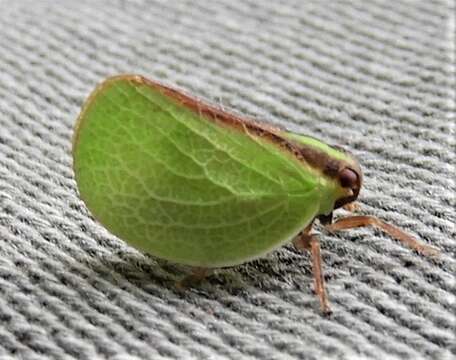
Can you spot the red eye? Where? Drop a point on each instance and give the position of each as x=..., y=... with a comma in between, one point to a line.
x=348, y=178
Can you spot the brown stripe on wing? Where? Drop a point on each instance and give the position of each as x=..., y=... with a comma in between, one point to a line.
x=313, y=157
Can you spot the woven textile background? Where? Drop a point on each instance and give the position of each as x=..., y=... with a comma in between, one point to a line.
x=376, y=77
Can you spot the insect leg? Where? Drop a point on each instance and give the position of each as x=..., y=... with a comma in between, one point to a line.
x=197, y=275
x=307, y=241
x=352, y=207
x=396, y=233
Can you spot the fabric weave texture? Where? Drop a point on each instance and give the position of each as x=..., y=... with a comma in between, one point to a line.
x=376, y=77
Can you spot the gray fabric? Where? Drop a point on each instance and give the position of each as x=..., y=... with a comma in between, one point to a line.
x=376, y=77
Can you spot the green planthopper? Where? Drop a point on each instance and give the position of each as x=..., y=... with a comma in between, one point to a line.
x=191, y=183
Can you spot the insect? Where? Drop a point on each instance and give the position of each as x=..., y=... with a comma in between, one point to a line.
x=191, y=183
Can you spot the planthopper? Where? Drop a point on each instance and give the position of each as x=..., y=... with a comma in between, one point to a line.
x=186, y=181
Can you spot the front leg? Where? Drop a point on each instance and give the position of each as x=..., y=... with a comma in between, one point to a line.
x=351, y=207
x=307, y=241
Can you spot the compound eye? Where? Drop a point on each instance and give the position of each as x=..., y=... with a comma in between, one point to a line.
x=348, y=178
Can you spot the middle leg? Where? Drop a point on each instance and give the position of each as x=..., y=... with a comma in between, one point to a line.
x=310, y=242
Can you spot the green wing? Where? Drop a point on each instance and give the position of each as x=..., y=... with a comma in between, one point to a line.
x=184, y=187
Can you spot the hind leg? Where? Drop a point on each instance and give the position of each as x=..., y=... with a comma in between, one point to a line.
x=352, y=222
x=197, y=275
